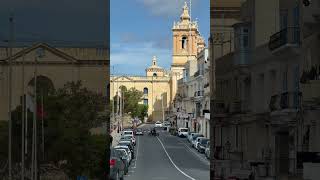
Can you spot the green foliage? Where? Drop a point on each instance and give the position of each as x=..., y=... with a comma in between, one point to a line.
x=70, y=113
x=140, y=111
x=132, y=97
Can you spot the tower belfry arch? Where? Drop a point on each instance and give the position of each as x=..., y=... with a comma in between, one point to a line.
x=186, y=43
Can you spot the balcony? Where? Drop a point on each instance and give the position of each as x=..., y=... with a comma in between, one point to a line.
x=286, y=40
x=285, y=101
x=311, y=91
x=196, y=74
x=235, y=107
x=219, y=108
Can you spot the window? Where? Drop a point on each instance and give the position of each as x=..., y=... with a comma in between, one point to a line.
x=155, y=74
x=283, y=19
x=145, y=102
x=184, y=42
x=145, y=90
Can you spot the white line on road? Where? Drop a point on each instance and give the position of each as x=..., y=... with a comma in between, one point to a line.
x=200, y=157
x=136, y=159
x=173, y=162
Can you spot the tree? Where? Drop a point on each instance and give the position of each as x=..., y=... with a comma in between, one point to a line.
x=70, y=114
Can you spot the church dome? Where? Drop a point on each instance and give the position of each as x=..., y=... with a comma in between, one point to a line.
x=154, y=69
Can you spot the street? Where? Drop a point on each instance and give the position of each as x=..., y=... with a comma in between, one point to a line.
x=166, y=157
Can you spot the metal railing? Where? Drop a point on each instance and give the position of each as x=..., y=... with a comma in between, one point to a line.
x=285, y=100
x=290, y=35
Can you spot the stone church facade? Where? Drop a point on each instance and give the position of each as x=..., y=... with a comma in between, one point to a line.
x=57, y=66
x=159, y=85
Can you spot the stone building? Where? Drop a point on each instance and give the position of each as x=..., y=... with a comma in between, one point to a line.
x=56, y=66
x=155, y=86
x=159, y=83
x=266, y=104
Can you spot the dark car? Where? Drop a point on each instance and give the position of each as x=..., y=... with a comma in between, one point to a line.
x=139, y=131
x=117, y=165
x=202, y=145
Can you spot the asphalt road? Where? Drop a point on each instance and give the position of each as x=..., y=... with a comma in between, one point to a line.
x=167, y=157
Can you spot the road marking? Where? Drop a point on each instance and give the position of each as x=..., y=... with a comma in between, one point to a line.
x=173, y=162
x=136, y=159
x=200, y=157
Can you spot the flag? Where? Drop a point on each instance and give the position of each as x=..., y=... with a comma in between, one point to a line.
x=30, y=103
x=40, y=112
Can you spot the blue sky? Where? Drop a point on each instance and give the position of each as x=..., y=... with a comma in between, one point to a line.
x=84, y=23
x=140, y=29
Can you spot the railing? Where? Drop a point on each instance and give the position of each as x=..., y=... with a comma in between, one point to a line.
x=290, y=35
x=235, y=107
x=196, y=74
x=219, y=107
x=285, y=100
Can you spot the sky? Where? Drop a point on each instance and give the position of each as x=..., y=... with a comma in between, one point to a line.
x=68, y=22
x=141, y=29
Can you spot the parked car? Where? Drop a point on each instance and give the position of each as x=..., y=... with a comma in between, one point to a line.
x=124, y=154
x=191, y=135
x=202, y=145
x=117, y=165
x=126, y=138
x=158, y=124
x=127, y=132
x=139, y=132
x=207, y=150
x=126, y=143
x=183, y=132
x=131, y=153
x=132, y=137
x=195, y=140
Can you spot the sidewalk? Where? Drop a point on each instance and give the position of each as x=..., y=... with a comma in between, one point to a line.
x=116, y=137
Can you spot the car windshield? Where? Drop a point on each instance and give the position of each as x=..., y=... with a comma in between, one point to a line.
x=196, y=136
x=128, y=132
x=184, y=130
x=204, y=141
x=124, y=144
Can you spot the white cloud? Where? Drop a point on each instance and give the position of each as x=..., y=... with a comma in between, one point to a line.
x=164, y=7
x=133, y=59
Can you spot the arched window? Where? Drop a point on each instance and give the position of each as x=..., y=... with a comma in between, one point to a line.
x=145, y=90
x=184, y=42
x=145, y=102
x=155, y=74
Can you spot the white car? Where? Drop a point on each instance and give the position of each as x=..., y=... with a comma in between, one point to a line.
x=127, y=149
x=132, y=137
x=183, y=132
x=196, y=141
x=127, y=132
x=158, y=124
x=190, y=135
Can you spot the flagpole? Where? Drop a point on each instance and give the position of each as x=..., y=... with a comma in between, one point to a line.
x=35, y=122
x=22, y=120
x=42, y=114
x=10, y=99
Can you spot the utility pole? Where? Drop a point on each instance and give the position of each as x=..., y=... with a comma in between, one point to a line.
x=122, y=110
x=113, y=100
x=162, y=108
x=10, y=97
